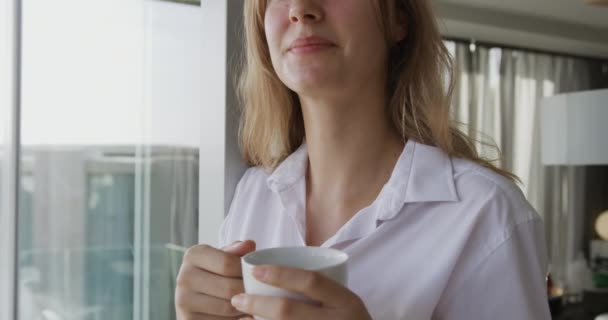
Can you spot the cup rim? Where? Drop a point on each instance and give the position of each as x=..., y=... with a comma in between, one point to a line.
x=342, y=256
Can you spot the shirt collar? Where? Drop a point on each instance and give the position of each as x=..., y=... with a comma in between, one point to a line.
x=292, y=169
x=430, y=176
x=422, y=174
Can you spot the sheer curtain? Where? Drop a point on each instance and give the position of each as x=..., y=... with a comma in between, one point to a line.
x=497, y=100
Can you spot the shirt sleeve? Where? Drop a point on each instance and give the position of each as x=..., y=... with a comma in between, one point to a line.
x=508, y=284
x=226, y=228
x=222, y=242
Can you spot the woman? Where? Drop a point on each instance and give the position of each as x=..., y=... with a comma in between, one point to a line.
x=346, y=125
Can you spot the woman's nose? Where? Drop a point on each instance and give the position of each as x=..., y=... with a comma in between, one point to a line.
x=305, y=11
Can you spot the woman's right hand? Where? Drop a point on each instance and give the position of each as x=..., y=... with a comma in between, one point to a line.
x=208, y=279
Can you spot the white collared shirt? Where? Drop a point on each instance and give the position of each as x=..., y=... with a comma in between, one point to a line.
x=445, y=239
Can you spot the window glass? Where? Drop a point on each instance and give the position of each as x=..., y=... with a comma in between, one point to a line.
x=109, y=160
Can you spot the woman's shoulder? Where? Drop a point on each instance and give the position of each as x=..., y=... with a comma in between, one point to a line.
x=474, y=177
x=250, y=191
x=475, y=183
x=435, y=175
x=254, y=177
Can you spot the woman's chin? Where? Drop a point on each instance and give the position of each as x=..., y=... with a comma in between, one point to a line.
x=314, y=85
x=312, y=89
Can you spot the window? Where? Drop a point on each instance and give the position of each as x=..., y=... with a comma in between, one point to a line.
x=109, y=157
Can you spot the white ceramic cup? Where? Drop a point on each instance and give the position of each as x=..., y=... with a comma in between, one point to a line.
x=329, y=262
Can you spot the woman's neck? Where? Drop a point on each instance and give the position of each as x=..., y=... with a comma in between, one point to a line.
x=352, y=150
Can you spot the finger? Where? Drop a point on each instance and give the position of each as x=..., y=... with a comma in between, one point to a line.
x=311, y=284
x=201, y=281
x=214, y=260
x=240, y=248
x=272, y=308
x=205, y=304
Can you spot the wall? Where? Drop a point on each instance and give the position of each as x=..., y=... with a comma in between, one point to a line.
x=521, y=30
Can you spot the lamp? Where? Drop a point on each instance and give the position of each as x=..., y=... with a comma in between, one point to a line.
x=601, y=225
x=574, y=132
x=574, y=128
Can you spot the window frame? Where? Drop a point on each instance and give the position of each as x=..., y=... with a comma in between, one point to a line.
x=10, y=180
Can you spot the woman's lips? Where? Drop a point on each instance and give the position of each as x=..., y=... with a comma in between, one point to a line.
x=310, y=45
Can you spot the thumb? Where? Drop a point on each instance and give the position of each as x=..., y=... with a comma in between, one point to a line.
x=240, y=248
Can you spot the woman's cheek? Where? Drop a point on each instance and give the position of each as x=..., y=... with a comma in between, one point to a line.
x=274, y=25
x=275, y=30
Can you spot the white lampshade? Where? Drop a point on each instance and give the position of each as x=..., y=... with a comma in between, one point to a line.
x=574, y=128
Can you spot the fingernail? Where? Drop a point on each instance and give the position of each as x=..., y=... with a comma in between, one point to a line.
x=239, y=300
x=261, y=272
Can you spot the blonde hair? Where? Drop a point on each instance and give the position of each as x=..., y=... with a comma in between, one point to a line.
x=418, y=93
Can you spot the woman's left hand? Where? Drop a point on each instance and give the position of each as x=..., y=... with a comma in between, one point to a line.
x=337, y=302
